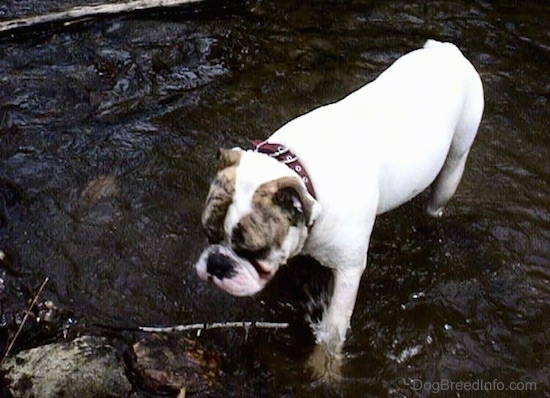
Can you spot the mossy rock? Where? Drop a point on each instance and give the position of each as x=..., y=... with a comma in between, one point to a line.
x=85, y=367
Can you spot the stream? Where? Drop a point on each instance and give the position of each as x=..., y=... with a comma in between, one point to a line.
x=108, y=137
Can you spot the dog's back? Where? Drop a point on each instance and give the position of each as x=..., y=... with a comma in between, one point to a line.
x=397, y=130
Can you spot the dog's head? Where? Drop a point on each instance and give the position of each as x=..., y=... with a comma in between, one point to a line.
x=257, y=215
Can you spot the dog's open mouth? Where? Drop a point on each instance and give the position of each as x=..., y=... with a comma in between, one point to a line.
x=263, y=274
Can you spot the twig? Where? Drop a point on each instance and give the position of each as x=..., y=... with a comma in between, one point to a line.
x=201, y=326
x=32, y=304
x=215, y=325
x=83, y=12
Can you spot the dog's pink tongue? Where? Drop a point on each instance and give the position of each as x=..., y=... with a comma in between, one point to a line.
x=260, y=270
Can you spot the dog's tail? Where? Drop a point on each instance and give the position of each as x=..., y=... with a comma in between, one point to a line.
x=431, y=43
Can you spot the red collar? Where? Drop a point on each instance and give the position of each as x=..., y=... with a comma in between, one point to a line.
x=284, y=155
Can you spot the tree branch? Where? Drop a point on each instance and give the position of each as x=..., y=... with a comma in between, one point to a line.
x=84, y=12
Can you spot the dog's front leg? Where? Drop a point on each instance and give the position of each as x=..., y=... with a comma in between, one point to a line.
x=326, y=359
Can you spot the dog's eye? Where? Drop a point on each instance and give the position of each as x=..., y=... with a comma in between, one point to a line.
x=251, y=254
x=214, y=237
x=247, y=246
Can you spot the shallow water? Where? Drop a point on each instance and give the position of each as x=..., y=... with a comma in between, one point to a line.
x=108, y=135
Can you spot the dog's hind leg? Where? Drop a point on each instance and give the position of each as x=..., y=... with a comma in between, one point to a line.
x=444, y=186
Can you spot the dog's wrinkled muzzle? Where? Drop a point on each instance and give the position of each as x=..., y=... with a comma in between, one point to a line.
x=220, y=265
x=235, y=275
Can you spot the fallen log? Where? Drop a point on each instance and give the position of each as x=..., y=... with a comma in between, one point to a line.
x=87, y=12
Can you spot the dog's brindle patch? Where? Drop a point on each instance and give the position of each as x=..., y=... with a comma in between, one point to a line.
x=217, y=203
x=228, y=158
x=263, y=228
x=221, y=194
x=267, y=226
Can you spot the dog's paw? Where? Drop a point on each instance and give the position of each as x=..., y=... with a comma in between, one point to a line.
x=433, y=212
x=325, y=365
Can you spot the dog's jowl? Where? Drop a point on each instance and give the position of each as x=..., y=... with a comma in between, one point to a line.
x=315, y=186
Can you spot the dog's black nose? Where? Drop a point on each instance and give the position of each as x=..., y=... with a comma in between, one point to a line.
x=220, y=266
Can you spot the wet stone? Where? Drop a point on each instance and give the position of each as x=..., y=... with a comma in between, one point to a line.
x=85, y=367
x=172, y=363
x=98, y=204
x=103, y=186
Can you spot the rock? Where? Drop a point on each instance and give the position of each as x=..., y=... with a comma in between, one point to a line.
x=172, y=363
x=103, y=186
x=85, y=367
x=97, y=204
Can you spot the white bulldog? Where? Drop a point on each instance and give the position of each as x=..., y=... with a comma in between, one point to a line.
x=316, y=185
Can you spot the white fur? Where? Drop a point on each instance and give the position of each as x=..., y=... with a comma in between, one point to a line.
x=368, y=153
x=378, y=148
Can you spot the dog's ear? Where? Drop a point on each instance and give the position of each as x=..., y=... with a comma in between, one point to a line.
x=288, y=200
x=229, y=157
x=293, y=197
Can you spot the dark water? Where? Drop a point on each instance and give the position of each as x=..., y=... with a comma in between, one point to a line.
x=108, y=135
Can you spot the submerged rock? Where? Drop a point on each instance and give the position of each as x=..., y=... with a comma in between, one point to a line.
x=103, y=186
x=97, y=205
x=85, y=367
x=168, y=363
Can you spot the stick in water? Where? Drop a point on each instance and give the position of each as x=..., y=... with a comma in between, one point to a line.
x=198, y=326
x=215, y=325
x=33, y=303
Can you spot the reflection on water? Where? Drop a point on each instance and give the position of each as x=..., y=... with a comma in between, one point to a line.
x=108, y=136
